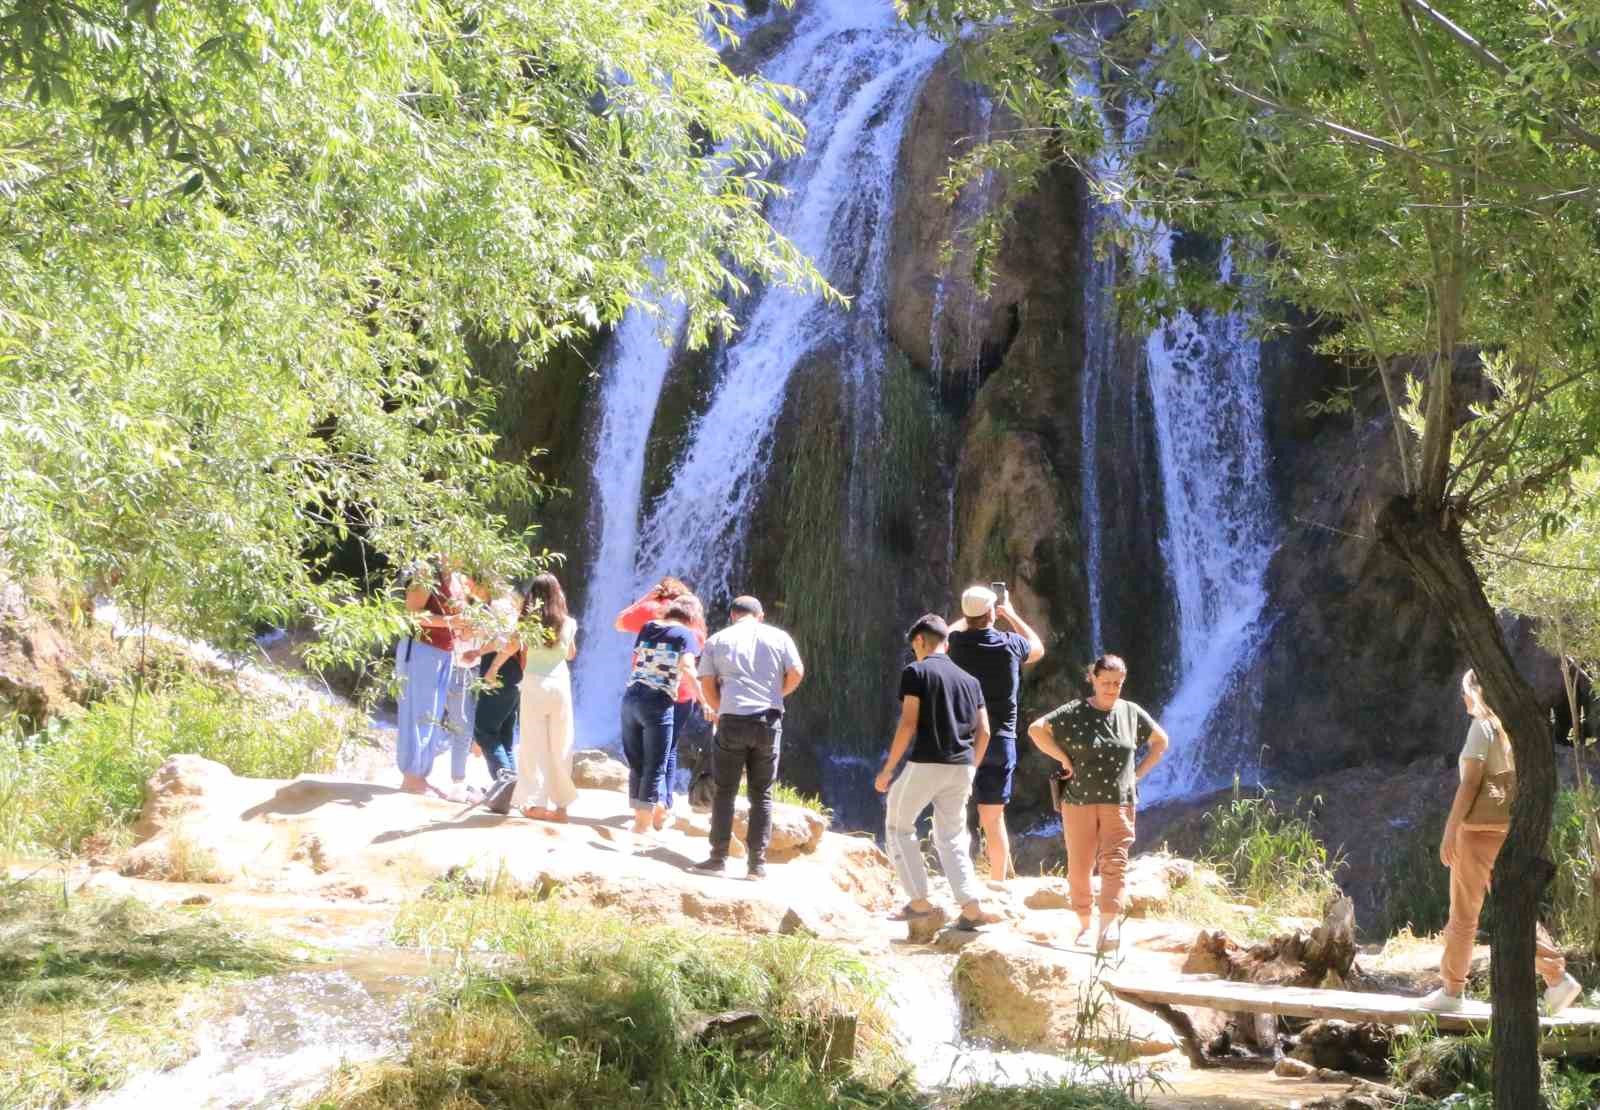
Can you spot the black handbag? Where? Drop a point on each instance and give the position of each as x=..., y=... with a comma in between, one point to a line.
x=703, y=784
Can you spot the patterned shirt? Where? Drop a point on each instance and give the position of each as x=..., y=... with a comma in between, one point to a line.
x=1103, y=746
x=656, y=653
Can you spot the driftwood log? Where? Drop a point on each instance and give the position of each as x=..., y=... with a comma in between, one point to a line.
x=1320, y=958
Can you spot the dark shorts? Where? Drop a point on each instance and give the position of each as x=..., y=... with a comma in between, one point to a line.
x=991, y=786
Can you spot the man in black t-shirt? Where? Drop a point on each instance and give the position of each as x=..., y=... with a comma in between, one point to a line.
x=945, y=730
x=995, y=659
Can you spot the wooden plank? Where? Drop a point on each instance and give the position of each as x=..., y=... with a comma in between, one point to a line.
x=1307, y=1002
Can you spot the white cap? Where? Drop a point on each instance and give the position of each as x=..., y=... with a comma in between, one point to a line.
x=977, y=600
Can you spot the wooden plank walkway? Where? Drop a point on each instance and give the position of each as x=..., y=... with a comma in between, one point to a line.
x=1570, y=1025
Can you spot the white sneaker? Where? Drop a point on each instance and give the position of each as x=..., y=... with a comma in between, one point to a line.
x=1440, y=1001
x=1562, y=995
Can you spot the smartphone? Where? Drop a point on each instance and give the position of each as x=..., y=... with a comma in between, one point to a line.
x=999, y=589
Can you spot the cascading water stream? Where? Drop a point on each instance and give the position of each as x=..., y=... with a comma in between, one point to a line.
x=633, y=374
x=1204, y=373
x=861, y=70
x=1205, y=384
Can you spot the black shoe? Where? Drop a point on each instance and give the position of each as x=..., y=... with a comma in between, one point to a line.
x=756, y=870
x=498, y=799
x=716, y=865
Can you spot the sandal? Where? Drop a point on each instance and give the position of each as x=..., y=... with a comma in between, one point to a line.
x=559, y=816
x=904, y=913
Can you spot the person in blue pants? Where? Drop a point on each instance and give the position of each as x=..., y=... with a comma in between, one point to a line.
x=663, y=654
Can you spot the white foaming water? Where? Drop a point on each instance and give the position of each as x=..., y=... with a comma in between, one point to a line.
x=1205, y=385
x=1099, y=356
x=861, y=71
x=1210, y=431
x=633, y=374
x=287, y=1036
x=926, y=1016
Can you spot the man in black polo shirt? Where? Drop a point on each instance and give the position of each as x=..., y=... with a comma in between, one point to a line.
x=945, y=730
x=995, y=659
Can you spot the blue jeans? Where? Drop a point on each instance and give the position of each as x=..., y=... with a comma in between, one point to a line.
x=420, y=710
x=460, y=712
x=646, y=740
x=494, y=723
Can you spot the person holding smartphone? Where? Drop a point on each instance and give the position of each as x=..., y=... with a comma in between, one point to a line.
x=995, y=658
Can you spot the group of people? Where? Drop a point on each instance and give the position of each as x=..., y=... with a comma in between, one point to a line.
x=738, y=679
x=957, y=737
x=955, y=741
x=484, y=666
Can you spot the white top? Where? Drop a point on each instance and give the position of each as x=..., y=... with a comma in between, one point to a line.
x=543, y=659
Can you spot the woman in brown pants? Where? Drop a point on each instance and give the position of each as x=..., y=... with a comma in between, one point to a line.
x=1477, y=825
x=1096, y=740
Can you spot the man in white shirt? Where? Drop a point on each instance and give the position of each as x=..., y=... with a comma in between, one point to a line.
x=746, y=671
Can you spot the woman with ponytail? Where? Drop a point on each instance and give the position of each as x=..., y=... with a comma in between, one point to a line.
x=1479, y=818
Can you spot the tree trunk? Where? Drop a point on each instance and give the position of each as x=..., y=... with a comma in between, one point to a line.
x=1432, y=549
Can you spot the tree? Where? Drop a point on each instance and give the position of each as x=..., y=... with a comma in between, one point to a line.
x=1428, y=185
x=244, y=245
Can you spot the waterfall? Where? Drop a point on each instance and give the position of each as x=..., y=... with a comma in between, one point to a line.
x=632, y=376
x=1099, y=356
x=861, y=71
x=1204, y=374
x=1205, y=383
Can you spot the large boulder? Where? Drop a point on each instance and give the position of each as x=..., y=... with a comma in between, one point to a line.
x=936, y=316
x=795, y=829
x=1026, y=996
x=594, y=769
x=188, y=832
x=1153, y=877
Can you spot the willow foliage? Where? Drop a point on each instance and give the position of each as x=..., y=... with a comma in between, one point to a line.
x=244, y=245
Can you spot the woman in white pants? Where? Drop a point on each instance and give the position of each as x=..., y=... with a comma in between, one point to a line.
x=544, y=757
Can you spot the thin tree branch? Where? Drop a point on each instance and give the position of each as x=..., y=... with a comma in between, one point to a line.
x=1489, y=58
x=1515, y=558
x=1388, y=392
x=1534, y=398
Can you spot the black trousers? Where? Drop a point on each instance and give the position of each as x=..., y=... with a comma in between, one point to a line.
x=745, y=745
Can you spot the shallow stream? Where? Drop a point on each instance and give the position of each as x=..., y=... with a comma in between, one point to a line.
x=285, y=1035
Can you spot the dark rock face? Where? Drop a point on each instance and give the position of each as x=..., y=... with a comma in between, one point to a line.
x=548, y=408
x=1361, y=669
x=944, y=325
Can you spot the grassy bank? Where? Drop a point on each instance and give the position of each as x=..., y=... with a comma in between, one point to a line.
x=93, y=989
x=83, y=776
x=1272, y=863
x=554, y=1007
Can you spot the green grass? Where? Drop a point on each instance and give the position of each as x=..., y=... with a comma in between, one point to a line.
x=92, y=989
x=1437, y=1072
x=1574, y=914
x=555, y=1007
x=1270, y=856
x=788, y=795
x=84, y=776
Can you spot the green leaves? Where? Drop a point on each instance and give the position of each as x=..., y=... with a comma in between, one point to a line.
x=244, y=245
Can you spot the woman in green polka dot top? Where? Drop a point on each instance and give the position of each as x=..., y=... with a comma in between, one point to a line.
x=1096, y=740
